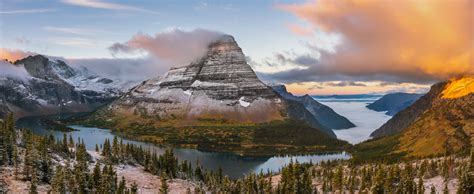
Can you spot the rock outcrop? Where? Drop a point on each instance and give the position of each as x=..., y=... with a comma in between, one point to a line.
x=394, y=102
x=323, y=114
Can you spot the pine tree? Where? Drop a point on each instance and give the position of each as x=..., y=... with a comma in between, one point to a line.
x=96, y=176
x=71, y=141
x=33, y=183
x=465, y=185
x=134, y=188
x=16, y=163
x=338, y=178
x=446, y=190
x=433, y=190
x=378, y=185
x=420, y=187
x=164, y=185
x=122, y=187
x=57, y=182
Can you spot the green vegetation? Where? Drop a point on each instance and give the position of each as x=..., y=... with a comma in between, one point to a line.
x=62, y=164
x=68, y=168
x=272, y=138
x=377, y=150
x=56, y=125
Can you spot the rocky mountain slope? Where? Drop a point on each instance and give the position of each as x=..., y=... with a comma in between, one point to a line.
x=394, y=102
x=442, y=121
x=50, y=86
x=217, y=99
x=323, y=114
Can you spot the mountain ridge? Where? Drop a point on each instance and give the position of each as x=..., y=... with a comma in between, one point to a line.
x=50, y=86
x=394, y=102
x=432, y=126
x=324, y=114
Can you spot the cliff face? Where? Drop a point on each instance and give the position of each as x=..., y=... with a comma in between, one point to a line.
x=51, y=87
x=322, y=113
x=394, y=103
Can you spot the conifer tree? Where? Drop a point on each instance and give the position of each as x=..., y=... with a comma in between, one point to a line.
x=122, y=187
x=164, y=185
x=445, y=190
x=134, y=188
x=420, y=187
x=57, y=182
x=33, y=183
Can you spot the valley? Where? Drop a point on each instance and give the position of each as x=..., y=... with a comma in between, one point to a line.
x=236, y=97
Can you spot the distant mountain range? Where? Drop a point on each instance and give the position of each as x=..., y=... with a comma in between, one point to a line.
x=441, y=121
x=348, y=96
x=50, y=86
x=394, y=102
x=324, y=114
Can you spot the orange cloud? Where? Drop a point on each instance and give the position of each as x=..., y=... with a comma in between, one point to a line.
x=410, y=38
x=13, y=55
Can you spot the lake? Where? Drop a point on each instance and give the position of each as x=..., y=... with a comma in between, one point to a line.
x=232, y=165
x=354, y=109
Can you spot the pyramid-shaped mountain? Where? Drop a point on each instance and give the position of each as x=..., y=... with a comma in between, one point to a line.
x=216, y=94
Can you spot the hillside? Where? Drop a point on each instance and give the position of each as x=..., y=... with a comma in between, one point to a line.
x=394, y=102
x=440, y=122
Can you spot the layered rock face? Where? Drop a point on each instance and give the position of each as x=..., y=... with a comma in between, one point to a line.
x=219, y=85
x=51, y=87
x=322, y=113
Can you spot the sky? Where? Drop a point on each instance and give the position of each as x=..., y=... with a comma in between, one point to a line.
x=314, y=47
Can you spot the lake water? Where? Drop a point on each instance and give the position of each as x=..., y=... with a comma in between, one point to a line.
x=231, y=164
x=354, y=109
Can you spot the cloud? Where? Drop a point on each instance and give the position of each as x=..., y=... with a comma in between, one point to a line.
x=11, y=70
x=78, y=42
x=300, y=30
x=136, y=69
x=22, y=40
x=25, y=11
x=106, y=5
x=13, y=55
x=76, y=31
x=427, y=41
x=345, y=83
x=173, y=46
